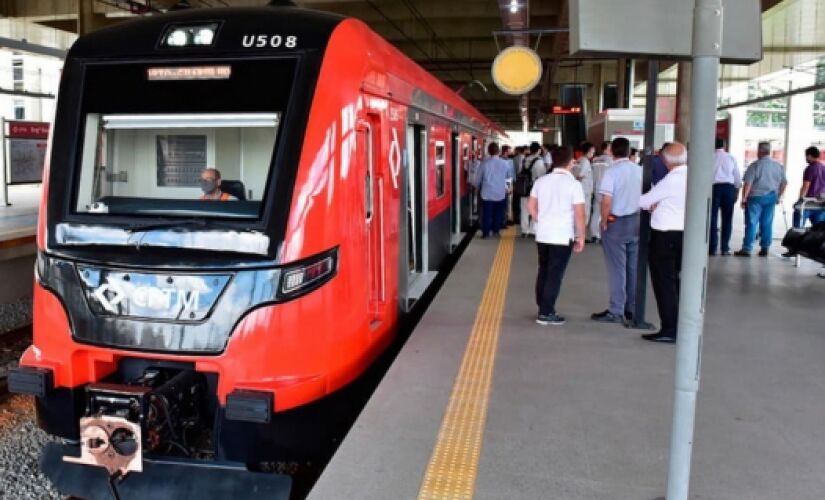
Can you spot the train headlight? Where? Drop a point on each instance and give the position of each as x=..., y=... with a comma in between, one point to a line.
x=177, y=38
x=204, y=36
x=201, y=35
x=308, y=275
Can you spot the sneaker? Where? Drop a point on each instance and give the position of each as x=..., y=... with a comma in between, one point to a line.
x=788, y=255
x=607, y=317
x=726, y=253
x=763, y=252
x=711, y=254
x=742, y=253
x=550, y=319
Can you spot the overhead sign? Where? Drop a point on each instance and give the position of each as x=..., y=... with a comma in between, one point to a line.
x=566, y=110
x=664, y=29
x=516, y=70
x=28, y=130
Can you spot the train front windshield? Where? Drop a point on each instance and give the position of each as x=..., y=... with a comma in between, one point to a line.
x=149, y=134
x=177, y=164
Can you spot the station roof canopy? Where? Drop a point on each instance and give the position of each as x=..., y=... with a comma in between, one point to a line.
x=456, y=40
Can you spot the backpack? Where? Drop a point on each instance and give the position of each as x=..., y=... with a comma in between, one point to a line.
x=524, y=180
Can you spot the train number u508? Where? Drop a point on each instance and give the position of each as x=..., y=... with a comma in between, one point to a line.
x=273, y=41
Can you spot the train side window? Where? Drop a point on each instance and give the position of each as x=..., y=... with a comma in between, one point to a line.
x=440, y=160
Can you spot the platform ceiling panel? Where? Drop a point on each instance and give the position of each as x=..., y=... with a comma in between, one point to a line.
x=452, y=39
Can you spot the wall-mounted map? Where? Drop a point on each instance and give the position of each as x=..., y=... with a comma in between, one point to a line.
x=26, y=160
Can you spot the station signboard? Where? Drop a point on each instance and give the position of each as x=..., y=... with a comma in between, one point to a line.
x=26, y=143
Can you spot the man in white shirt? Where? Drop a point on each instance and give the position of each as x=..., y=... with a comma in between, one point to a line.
x=548, y=156
x=583, y=171
x=666, y=202
x=557, y=205
x=599, y=164
x=534, y=165
x=726, y=183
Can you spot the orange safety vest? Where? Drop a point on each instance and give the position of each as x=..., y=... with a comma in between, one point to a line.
x=223, y=197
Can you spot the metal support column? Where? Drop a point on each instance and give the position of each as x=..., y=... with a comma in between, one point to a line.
x=4, y=172
x=627, y=83
x=707, y=48
x=644, y=222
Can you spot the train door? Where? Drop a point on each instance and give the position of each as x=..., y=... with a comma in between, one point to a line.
x=369, y=144
x=455, y=206
x=475, y=162
x=466, y=193
x=416, y=272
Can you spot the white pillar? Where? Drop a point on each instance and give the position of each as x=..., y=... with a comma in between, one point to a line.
x=800, y=127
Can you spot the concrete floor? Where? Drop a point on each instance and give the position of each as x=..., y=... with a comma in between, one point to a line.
x=583, y=411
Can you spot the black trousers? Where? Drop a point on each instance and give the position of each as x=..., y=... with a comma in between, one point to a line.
x=724, y=199
x=665, y=261
x=553, y=261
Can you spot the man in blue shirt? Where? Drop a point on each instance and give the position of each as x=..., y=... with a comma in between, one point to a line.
x=621, y=189
x=764, y=184
x=493, y=180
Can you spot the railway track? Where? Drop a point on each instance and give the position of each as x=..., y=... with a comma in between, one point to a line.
x=12, y=345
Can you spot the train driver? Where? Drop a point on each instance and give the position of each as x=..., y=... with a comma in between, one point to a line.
x=211, y=186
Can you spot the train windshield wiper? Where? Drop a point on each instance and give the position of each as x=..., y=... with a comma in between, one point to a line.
x=197, y=223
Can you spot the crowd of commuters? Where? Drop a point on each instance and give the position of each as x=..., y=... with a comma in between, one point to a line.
x=565, y=198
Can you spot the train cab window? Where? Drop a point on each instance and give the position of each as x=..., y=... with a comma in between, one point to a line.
x=440, y=160
x=152, y=163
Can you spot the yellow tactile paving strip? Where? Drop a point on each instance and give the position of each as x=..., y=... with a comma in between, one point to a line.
x=451, y=473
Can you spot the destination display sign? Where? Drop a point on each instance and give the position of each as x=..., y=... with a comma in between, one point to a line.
x=566, y=110
x=172, y=73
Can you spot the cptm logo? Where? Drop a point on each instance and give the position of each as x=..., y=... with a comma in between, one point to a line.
x=111, y=294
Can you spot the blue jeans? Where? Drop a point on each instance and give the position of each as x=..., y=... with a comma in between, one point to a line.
x=815, y=216
x=760, y=210
x=492, y=216
x=724, y=198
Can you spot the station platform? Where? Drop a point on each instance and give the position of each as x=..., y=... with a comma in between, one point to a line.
x=18, y=226
x=484, y=403
x=19, y=219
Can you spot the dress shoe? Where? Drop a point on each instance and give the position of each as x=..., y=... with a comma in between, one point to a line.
x=607, y=317
x=763, y=252
x=659, y=337
x=742, y=253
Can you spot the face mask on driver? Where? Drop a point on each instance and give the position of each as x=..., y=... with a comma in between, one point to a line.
x=208, y=186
